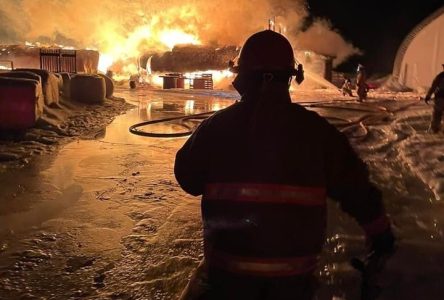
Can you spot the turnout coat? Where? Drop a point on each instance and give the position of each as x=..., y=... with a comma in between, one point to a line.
x=264, y=173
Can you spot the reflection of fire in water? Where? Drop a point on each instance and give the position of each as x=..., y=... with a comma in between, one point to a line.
x=145, y=110
x=189, y=107
x=215, y=106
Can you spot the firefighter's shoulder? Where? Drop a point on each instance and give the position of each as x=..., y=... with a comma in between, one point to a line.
x=310, y=118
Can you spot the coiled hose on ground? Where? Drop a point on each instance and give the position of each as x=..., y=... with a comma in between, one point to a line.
x=134, y=129
x=372, y=115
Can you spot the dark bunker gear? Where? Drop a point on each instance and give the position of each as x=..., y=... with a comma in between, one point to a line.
x=265, y=167
x=437, y=89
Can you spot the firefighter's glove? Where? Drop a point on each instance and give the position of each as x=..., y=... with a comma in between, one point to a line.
x=383, y=243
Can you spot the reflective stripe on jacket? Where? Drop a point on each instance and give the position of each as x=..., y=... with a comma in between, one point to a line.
x=263, y=229
x=258, y=266
x=266, y=193
x=264, y=174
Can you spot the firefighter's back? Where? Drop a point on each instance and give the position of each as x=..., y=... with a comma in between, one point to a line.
x=264, y=204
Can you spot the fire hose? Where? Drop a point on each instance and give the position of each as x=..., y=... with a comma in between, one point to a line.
x=134, y=129
x=372, y=265
x=346, y=126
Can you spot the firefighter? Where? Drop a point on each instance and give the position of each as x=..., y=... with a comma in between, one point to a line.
x=264, y=167
x=347, y=87
x=361, y=83
x=437, y=89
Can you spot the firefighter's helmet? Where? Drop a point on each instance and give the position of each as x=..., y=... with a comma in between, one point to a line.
x=267, y=51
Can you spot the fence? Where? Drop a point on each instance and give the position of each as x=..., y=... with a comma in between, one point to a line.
x=58, y=60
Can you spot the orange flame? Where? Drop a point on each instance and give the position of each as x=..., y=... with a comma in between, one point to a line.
x=160, y=33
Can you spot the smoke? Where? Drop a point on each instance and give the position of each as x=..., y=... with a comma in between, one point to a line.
x=322, y=38
x=107, y=24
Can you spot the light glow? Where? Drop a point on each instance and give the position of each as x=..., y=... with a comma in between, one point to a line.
x=189, y=107
x=171, y=38
x=160, y=33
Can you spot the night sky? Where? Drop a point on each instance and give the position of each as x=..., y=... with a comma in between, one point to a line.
x=377, y=27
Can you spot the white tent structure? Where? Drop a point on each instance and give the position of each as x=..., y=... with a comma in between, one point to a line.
x=421, y=54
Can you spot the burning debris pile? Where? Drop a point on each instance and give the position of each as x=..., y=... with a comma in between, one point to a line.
x=191, y=58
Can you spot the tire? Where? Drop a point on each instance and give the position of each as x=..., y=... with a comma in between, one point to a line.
x=90, y=89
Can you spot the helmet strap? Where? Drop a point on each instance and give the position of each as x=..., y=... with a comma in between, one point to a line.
x=255, y=81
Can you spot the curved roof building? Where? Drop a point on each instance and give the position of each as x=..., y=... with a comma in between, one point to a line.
x=421, y=54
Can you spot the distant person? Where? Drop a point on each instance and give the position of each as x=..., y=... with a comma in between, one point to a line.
x=347, y=87
x=361, y=83
x=437, y=89
x=265, y=167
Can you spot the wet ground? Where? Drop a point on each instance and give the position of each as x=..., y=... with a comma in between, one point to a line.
x=105, y=219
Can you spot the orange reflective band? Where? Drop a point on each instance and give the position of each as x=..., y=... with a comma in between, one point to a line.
x=265, y=266
x=270, y=193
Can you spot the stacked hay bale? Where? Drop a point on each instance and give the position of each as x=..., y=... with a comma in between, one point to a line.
x=40, y=101
x=109, y=85
x=59, y=81
x=21, y=103
x=25, y=92
x=66, y=84
x=23, y=74
x=50, y=85
x=87, y=88
x=191, y=58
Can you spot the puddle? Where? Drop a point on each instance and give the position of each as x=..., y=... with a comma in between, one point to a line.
x=118, y=190
x=151, y=105
x=50, y=184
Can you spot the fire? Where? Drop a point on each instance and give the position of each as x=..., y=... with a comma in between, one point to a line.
x=217, y=75
x=171, y=38
x=221, y=78
x=158, y=33
x=121, y=47
x=105, y=61
x=189, y=107
x=131, y=48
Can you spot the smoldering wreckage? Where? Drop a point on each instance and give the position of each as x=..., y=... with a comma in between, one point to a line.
x=76, y=226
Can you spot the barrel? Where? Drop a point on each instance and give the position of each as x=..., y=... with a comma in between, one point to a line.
x=169, y=82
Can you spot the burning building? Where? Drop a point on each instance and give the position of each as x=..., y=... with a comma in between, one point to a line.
x=33, y=57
